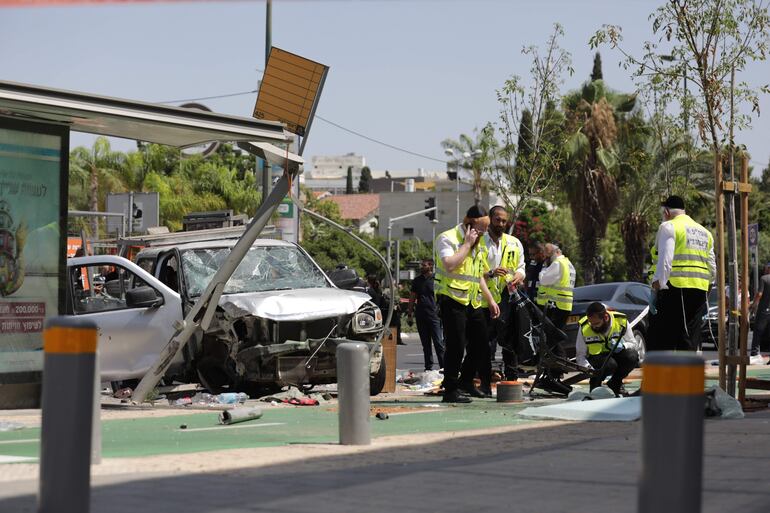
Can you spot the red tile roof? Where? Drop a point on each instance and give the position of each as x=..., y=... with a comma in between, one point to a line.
x=356, y=206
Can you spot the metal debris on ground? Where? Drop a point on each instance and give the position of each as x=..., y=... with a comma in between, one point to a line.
x=10, y=426
x=236, y=415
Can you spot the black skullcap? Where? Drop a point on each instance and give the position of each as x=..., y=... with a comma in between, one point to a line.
x=673, y=202
x=476, y=211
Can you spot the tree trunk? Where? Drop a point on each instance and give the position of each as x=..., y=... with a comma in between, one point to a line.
x=593, y=199
x=94, y=201
x=634, y=229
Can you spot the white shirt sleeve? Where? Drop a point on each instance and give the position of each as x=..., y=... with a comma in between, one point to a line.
x=580, y=349
x=712, y=263
x=520, y=268
x=628, y=340
x=550, y=275
x=444, y=247
x=665, y=242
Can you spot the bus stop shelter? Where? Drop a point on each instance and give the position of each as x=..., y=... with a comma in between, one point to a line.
x=35, y=123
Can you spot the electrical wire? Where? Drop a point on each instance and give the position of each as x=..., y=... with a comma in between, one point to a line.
x=337, y=125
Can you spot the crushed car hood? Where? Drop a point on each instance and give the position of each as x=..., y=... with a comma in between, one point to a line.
x=293, y=305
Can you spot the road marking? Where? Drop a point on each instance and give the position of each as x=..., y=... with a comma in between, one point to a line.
x=23, y=441
x=15, y=459
x=219, y=428
x=415, y=354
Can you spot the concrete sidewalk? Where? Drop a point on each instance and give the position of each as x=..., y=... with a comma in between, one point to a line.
x=542, y=466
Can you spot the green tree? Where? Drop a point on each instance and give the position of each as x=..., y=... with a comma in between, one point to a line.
x=593, y=115
x=349, y=181
x=365, y=182
x=99, y=167
x=596, y=73
x=527, y=159
x=473, y=154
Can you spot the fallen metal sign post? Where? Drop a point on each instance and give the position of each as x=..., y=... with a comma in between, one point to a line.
x=200, y=315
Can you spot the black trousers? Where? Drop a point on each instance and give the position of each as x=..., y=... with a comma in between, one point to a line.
x=559, y=319
x=678, y=321
x=464, y=327
x=431, y=336
x=619, y=365
x=761, y=332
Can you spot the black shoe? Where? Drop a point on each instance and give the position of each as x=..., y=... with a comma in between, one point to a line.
x=455, y=397
x=473, y=392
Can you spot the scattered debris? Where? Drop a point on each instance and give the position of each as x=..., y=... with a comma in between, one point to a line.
x=298, y=396
x=236, y=415
x=10, y=426
x=728, y=406
x=123, y=393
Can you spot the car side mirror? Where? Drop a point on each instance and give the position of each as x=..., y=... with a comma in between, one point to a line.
x=143, y=297
x=344, y=278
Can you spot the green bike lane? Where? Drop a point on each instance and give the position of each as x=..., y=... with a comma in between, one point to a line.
x=200, y=431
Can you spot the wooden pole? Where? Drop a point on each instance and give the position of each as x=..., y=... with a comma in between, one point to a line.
x=720, y=267
x=744, y=319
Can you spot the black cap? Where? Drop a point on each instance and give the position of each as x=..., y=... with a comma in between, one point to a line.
x=673, y=202
x=476, y=211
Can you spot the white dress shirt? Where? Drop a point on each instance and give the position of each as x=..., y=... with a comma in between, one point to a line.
x=495, y=253
x=665, y=241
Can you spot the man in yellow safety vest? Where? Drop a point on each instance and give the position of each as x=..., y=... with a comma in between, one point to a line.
x=684, y=271
x=554, y=292
x=459, y=276
x=606, y=342
x=504, y=267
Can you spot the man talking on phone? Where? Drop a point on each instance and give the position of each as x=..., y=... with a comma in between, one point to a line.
x=459, y=276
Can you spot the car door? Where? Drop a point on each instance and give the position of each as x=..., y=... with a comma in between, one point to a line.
x=131, y=335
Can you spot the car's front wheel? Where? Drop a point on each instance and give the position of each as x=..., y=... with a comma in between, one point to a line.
x=641, y=345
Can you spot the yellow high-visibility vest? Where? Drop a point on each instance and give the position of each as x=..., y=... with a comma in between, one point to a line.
x=598, y=343
x=561, y=293
x=462, y=283
x=692, y=247
x=510, y=259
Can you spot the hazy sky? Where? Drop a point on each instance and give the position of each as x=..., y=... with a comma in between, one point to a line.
x=409, y=73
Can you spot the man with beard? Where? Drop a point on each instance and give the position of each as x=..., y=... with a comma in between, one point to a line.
x=610, y=345
x=504, y=267
x=459, y=276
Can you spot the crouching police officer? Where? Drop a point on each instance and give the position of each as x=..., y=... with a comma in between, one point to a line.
x=610, y=345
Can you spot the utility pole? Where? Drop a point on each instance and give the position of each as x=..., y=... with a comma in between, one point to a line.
x=266, y=171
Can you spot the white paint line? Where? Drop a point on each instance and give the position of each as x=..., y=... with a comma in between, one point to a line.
x=15, y=459
x=23, y=441
x=415, y=354
x=220, y=428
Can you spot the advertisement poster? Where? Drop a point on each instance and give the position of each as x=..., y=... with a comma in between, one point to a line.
x=31, y=248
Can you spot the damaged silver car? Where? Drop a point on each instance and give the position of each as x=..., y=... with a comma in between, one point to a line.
x=277, y=323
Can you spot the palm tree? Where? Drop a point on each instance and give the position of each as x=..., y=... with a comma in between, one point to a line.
x=474, y=156
x=101, y=168
x=593, y=115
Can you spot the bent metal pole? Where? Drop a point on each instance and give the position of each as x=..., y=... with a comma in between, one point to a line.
x=68, y=394
x=672, y=433
x=353, y=393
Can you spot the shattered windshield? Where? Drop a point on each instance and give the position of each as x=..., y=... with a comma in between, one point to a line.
x=263, y=268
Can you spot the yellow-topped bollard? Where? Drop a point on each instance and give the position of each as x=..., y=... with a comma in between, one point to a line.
x=68, y=398
x=672, y=433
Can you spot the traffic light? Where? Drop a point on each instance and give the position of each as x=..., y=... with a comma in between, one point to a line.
x=430, y=203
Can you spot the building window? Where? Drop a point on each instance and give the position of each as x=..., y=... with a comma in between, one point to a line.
x=408, y=232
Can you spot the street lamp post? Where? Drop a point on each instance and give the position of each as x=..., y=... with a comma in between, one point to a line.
x=449, y=152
